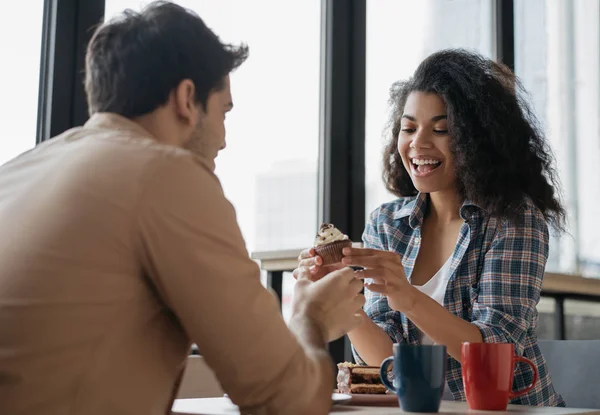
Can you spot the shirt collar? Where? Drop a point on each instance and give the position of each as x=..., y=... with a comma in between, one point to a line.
x=116, y=122
x=112, y=121
x=416, y=208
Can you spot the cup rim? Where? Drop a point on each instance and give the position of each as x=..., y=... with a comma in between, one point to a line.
x=425, y=346
x=484, y=344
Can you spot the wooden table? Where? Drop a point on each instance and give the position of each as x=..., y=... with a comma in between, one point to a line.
x=221, y=406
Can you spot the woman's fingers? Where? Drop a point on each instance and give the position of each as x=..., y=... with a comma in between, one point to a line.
x=378, y=278
x=302, y=272
x=370, y=261
x=310, y=265
x=307, y=253
x=310, y=262
x=296, y=273
x=380, y=288
x=378, y=274
x=368, y=252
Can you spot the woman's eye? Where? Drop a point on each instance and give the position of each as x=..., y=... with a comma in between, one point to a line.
x=441, y=132
x=408, y=130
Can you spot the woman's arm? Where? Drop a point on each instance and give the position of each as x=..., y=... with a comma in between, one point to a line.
x=510, y=285
x=386, y=277
x=370, y=342
x=382, y=327
x=440, y=325
x=507, y=294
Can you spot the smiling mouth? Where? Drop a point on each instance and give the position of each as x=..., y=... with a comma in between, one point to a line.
x=424, y=166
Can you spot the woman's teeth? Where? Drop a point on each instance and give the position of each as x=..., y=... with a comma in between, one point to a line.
x=425, y=165
x=420, y=162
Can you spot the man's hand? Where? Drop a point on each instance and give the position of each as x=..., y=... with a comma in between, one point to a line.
x=310, y=266
x=333, y=302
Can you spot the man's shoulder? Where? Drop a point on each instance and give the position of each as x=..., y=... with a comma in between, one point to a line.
x=141, y=152
x=129, y=163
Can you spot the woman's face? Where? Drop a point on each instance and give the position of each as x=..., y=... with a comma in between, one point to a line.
x=424, y=143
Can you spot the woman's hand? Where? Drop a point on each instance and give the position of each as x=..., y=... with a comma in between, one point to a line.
x=387, y=272
x=310, y=266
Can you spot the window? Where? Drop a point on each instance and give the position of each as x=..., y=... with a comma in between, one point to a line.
x=269, y=169
x=20, y=43
x=557, y=57
x=400, y=34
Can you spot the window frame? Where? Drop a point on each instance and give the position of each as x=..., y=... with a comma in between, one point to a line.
x=68, y=26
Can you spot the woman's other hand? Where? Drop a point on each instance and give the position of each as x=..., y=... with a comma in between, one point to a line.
x=386, y=272
x=310, y=266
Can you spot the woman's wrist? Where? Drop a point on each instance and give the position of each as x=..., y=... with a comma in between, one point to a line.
x=405, y=301
x=365, y=319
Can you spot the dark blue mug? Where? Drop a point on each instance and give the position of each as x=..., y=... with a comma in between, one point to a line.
x=419, y=376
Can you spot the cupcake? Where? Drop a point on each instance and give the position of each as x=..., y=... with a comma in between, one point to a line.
x=329, y=244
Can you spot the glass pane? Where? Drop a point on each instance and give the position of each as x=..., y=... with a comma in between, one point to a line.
x=557, y=57
x=269, y=169
x=400, y=34
x=20, y=43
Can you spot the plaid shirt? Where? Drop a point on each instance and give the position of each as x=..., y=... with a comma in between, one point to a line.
x=495, y=282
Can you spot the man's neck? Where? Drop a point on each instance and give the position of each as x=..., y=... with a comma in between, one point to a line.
x=159, y=126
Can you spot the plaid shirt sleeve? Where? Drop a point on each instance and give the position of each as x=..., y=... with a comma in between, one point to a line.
x=376, y=305
x=504, y=302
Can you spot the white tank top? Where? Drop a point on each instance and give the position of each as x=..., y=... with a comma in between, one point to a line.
x=436, y=289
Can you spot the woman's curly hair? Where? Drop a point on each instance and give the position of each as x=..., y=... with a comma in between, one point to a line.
x=500, y=152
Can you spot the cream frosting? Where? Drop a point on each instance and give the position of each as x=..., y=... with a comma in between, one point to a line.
x=328, y=234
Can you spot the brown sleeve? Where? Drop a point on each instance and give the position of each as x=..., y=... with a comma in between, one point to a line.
x=193, y=251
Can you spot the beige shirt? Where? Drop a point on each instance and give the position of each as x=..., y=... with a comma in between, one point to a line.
x=116, y=253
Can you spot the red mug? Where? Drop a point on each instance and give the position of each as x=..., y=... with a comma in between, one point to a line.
x=488, y=370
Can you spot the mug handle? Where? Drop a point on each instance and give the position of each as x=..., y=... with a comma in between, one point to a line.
x=383, y=371
x=535, y=376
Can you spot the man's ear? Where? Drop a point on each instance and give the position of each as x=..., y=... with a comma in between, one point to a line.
x=185, y=101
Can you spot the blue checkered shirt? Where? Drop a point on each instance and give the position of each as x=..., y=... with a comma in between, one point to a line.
x=495, y=283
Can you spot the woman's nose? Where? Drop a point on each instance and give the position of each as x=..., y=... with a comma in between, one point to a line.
x=421, y=140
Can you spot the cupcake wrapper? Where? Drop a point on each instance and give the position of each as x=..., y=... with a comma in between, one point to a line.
x=332, y=253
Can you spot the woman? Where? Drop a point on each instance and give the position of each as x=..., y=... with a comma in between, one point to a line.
x=460, y=256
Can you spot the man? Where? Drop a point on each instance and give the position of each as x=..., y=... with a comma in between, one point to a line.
x=119, y=249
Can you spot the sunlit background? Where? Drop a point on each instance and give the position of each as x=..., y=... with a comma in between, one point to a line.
x=269, y=169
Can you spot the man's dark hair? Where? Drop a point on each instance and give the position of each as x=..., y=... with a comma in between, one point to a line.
x=134, y=61
x=500, y=153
